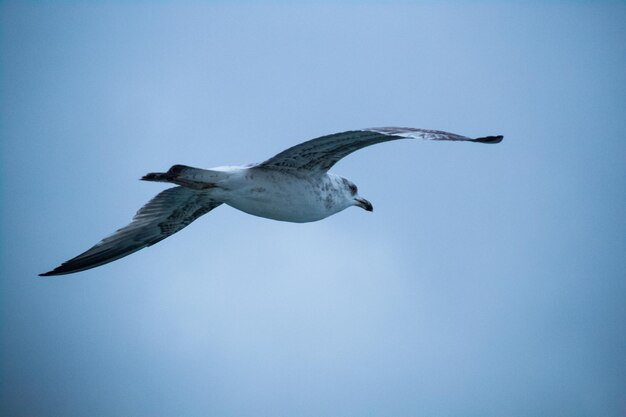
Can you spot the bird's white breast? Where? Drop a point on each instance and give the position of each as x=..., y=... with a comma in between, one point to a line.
x=284, y=196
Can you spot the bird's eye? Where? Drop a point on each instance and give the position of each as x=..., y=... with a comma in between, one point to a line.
x=353, y=189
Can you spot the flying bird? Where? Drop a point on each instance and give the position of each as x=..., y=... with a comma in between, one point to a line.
x=292, y=186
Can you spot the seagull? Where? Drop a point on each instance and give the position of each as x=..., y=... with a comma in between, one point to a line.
x=292, y=186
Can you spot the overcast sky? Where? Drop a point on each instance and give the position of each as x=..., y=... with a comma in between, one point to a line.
x=488, y=281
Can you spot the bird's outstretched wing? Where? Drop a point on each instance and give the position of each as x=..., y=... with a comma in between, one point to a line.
x=167, y=213
x=322, y=153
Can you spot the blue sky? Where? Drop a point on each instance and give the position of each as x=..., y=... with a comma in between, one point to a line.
x=489, y=280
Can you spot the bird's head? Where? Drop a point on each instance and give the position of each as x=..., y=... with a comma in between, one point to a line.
x=352, y=193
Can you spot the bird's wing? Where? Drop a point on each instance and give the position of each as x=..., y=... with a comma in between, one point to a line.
x=167, y=213
x=322, y=153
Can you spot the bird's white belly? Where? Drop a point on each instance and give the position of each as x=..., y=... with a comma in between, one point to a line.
x=282, y=197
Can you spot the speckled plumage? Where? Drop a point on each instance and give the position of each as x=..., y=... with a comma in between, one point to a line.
x=292, y=186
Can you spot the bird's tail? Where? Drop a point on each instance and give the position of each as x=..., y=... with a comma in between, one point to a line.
x=196, y=178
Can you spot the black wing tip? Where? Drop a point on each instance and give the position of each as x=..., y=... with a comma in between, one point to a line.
x=489, y=139
x=64, y=269
x=56, y=271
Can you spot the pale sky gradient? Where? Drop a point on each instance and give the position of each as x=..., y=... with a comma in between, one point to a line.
x=488, y=281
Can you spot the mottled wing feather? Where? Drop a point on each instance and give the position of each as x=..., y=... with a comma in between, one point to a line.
x=322, y=153
x=167, y=213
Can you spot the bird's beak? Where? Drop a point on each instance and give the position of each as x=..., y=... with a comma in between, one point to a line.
x=364, y=204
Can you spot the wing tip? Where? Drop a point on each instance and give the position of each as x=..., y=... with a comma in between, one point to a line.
x=53, y=272
x=63, y=269
x=489, y=139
